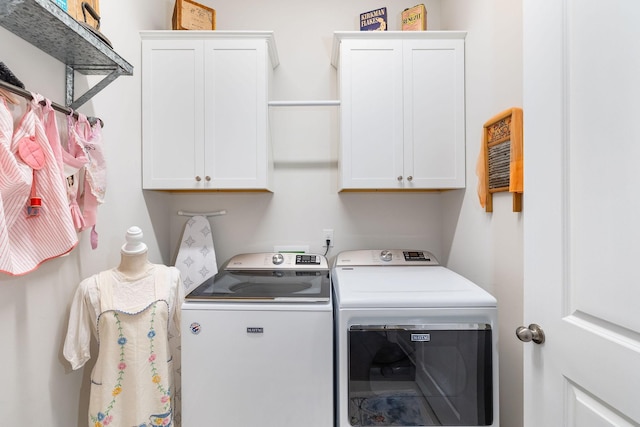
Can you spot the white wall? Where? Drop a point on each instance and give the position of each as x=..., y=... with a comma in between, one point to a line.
x=487, y=247
x=39, y=385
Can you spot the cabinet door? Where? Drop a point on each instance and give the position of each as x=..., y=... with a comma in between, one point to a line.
x=371, y=114
x=172, y=114
x=236, y=91
x=434, y=151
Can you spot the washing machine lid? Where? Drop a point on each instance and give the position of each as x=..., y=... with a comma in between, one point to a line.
x=386, y=285
x=268, y=277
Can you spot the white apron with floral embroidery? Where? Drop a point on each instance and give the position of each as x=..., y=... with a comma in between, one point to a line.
x=130, y=382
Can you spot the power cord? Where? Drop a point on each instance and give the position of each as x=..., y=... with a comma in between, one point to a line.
x=328, y=246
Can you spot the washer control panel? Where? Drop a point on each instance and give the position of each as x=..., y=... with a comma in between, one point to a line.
x=384, y=257
x=308, y=259
x=277, y=261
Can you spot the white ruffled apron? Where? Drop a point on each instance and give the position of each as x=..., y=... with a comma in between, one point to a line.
x=131, y=380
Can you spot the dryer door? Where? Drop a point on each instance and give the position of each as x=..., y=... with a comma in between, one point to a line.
x=428, y=375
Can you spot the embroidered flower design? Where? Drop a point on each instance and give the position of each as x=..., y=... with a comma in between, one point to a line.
x=160, y=419
x=104, y=418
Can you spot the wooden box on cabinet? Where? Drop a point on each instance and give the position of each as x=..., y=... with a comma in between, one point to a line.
x=402, y=110
x=205, y=109
x=191, y=15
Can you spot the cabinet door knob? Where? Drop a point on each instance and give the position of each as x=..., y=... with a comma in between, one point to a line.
x=409, y=178
x=198, y=178
x=207, y=178
x=400, y=178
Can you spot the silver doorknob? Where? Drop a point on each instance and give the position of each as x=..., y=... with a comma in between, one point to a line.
x=532, y=333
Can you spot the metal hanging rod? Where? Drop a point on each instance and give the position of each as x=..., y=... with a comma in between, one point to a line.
x=322, y=103
x=26, y=94
x=215, y=213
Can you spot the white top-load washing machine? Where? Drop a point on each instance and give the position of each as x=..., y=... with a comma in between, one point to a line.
x=257, y=344
x=416, y=343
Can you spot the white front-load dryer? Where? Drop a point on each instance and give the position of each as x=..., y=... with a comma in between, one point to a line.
x=416, y=343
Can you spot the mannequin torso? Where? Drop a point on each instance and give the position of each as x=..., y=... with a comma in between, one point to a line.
x=131, y=310
x=133, y=256
x=133, y=266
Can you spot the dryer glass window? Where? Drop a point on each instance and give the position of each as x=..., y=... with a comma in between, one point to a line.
x=427, y=375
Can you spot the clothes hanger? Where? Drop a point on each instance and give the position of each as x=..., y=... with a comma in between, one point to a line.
x=8, y=97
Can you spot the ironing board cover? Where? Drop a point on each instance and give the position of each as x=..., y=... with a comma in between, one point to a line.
x=130, y=382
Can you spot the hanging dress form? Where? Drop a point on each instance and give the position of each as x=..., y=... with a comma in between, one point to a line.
x=32, y=239
x=131, y=382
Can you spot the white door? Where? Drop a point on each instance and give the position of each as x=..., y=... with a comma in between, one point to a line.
x=582, y=212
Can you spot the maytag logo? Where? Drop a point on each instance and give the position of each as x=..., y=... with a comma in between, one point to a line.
x=421, y=337
x=254, y=330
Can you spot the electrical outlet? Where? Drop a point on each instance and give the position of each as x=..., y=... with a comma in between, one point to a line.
x=327, y=234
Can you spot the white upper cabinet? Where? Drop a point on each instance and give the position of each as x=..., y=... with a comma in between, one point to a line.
x=402, y=109
x=205, y=101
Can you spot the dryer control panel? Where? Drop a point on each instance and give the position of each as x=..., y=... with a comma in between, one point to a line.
x=384, y=257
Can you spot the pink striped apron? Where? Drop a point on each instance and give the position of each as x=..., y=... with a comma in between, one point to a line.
x=82, y=134
x=27, y=241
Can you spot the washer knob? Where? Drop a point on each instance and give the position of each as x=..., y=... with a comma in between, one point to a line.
x=277, y=259
x=386, y=255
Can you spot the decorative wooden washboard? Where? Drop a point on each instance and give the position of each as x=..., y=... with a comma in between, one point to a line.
x=500, y=166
